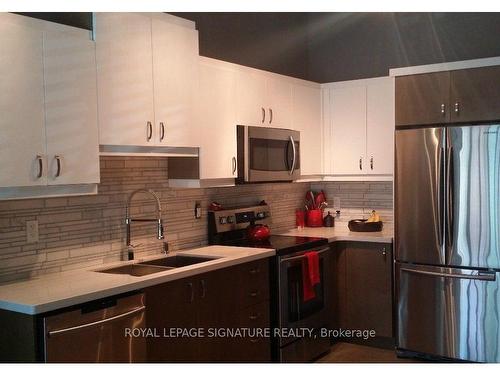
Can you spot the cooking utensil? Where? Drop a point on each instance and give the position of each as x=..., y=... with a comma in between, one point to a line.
x=320, y=198
x=310, y=200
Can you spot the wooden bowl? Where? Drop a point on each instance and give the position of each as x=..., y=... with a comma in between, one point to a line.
x=361, y=225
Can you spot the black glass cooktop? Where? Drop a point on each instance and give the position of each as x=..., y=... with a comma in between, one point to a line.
x=282, y=244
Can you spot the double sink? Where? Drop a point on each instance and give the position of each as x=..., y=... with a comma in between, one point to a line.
x=157, y=265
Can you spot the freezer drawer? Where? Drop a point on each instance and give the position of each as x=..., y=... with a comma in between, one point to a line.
x=96, y=332
x=449, y=312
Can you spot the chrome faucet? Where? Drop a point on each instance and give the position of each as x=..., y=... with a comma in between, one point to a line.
x=129, y=220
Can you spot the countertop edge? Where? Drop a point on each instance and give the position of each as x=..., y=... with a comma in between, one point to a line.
x=322, y=232
x=129, y=287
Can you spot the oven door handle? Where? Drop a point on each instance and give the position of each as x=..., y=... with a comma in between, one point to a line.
x=302, y=256
x=292, y=169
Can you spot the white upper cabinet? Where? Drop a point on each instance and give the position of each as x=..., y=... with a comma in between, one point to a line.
x=361, y=120
x=48, y=98
x=22, y=139
x=307, y=119
x=146, y=76
x=279, y=96
x=124, y=78
x=348, y=129
x=175, y=76
x=263, y=99
x=380, y=122
x=216, y=120
x=70, y=109
x=251, y=99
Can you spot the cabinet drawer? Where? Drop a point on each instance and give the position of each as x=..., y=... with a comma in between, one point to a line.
x=255, y=316
x=254, y=348
x=253, y=283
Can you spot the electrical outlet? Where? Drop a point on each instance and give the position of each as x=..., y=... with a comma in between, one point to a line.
x=197, y=210
x=32, y=231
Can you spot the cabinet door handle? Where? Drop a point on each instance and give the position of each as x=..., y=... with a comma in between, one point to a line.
x=191, y=292
x=58, y=161
x=384, y=252
x=360, y=163
x=40, y=166
x=263, y=114
x=254, y=271
x=371, y=163
x=234, y=164
x=457, y=108
x=203, y=289
x=270, y=115
x=254, y=294
x=149, y=131
x=443, y=109
x=162, y=131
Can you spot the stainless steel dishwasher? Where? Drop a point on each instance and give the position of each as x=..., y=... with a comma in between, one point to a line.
x=97, y=332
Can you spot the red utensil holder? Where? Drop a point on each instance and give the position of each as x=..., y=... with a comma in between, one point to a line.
x=314, y=218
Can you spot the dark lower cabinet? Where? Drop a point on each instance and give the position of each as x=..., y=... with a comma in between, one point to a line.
x=213, y=305
x=187, y=320
x=364, y=298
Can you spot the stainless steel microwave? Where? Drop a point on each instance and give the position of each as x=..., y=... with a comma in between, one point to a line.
x=267, y=154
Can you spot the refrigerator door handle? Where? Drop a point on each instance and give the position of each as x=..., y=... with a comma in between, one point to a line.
x=449, y=202
x=457, y=274
x=441, y=195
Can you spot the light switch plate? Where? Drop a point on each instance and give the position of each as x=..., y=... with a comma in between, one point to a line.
x=32, y=231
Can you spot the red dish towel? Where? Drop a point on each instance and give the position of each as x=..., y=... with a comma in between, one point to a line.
x=310, y=274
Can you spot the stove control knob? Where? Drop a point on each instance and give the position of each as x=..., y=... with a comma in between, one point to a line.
x=230, y=219
x=223, y=220
x=261, y=215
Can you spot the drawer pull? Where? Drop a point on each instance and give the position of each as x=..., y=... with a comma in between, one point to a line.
x=254, y=294
x=253, y=341
x=254, y=317
x=254, y=271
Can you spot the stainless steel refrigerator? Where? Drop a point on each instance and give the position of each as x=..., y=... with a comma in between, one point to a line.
x=447, y=241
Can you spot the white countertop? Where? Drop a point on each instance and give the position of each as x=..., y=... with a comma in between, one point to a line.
x=55, y=291
x=340, y=232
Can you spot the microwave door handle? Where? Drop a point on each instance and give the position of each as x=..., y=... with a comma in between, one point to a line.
x=292, y=169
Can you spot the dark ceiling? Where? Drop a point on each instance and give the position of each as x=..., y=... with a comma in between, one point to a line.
x=326, y=47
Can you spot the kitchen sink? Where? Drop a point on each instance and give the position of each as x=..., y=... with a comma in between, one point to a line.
x=176, y=261
x=135, y=270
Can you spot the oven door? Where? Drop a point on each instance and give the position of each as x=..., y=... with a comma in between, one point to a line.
x=293, y=310
x=270, y=154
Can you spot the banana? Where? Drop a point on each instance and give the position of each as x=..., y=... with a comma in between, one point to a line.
x=374, y=217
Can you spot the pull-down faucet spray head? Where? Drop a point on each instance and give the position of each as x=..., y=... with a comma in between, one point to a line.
x=158, y=220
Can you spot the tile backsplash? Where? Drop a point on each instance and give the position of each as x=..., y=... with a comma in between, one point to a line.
x=76, y=232
x=358, y=199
